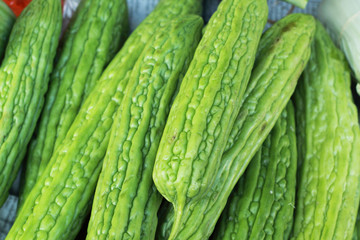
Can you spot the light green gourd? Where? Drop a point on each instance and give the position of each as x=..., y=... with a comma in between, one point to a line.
x=95, y=34
x=61, y=198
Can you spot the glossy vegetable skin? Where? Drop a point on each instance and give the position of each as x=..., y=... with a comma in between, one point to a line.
x=207, y=104
x=125, y=179
x=261, y=206
x=24, y=76
x=62, y=196
x=286, y=46
x=94, y=36
x=329, y=146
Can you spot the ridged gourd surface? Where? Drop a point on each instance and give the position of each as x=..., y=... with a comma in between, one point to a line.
x=126, y=200
x=91, y=41
x=205, y=109
x=261, y=205
x=61, y=198
x=24, y=77
x=283, y=53
x=328, y=193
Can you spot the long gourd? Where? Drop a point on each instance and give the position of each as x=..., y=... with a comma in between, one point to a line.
x=261, y=205
x=60, y=199
x=207, y=104
x=283, y=53
x=7, y=19
x=328, y=190
x=125, y=179
x=93, y=38
x=24, y=76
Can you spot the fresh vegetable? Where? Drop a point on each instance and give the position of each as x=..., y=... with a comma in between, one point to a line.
x=262, y=204
x=24, y=76
x=342, y=19
x=283, y=54
x=125, y=179
x=92, y=40
x=328, y=190
x=60, y=199
x=299, y=3
x=7, y=19
x=207, y=104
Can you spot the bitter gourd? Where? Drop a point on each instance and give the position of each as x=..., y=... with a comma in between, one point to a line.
x=207, y=104
x=59, y=201
x=283, y=53
x=24, y=76
x=7, y=19
x=93, y=37
x=261, y=205
x=125, y=180
x=328, y=190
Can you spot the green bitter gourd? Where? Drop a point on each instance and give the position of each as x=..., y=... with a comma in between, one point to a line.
x=92, y=39
x=261, y=205
x=24, y=77
x=328, y=189
x=207, y=104
x=283, y=53
x=61, y=198
x=125, y=180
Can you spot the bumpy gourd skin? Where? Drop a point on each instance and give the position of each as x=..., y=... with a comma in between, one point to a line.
x=61, y=198
x=207, y=104
x=93, y=37
x=126, y=200
x=261, y=205
x=24, y=76
x=328, y=190
x=283, y=53
x=7, y=19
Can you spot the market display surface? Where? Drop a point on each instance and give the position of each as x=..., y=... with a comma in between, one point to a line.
x=179, y=119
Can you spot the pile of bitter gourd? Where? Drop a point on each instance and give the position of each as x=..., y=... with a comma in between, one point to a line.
x=180, y=130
